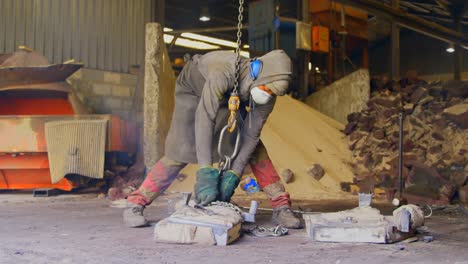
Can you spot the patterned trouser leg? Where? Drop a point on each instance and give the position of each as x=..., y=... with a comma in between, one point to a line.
x=158, y=179
x=268, y=178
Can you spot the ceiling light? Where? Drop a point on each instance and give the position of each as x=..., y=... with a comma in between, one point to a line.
x=246, y=46
x=204, y=18
x=450, y=49
x=245, y=54
x=310, y=66
x=183, y=42
x=168, y=29
x=317, y=69
x=204, y=14
x=168, y=38
x=217, y=41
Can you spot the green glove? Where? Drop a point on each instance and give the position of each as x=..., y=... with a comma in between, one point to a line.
x=228, y=184
x=206, y=186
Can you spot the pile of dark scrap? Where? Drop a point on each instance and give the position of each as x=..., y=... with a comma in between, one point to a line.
x=124, y=178
x=435, y=142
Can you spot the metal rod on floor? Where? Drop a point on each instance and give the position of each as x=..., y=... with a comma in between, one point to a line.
x=400, y=157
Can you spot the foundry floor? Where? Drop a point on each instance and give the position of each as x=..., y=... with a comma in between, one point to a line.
x=85, y=229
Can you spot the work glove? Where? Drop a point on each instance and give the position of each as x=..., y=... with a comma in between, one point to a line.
x=206, y=186
x=227, y=185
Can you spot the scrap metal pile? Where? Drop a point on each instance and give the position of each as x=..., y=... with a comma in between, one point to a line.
x=435, y=140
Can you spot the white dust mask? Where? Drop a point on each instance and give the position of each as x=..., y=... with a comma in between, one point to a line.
x=259, y=96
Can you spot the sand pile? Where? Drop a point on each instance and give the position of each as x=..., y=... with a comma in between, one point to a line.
x=297, y=137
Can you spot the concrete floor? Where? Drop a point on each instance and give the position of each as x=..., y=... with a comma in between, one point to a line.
x=85, y=229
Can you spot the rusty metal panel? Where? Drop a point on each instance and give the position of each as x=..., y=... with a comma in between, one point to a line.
x=35, y=75
x=103, y=34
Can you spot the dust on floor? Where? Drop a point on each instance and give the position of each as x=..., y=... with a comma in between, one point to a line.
x=85, y=229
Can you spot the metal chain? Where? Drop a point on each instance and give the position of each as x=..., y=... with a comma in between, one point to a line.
x=261, y=231
x=239, y=42
x=234, y=101
x=227, y=205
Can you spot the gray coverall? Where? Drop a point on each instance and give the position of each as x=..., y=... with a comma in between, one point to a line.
x=202, y=91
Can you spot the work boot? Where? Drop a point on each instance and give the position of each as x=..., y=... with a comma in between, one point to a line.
x=286, y=218
x=133, y=216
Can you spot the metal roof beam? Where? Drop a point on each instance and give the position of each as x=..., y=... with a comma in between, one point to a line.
x=437, y=16
x=409, y=21
x=206, y=30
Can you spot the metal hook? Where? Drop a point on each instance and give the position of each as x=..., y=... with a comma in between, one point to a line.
x=225, y=160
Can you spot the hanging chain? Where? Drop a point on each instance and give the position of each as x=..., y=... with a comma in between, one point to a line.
x=239, y=42
x=234, y=102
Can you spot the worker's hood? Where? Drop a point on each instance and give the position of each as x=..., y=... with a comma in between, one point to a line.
x=276, y=66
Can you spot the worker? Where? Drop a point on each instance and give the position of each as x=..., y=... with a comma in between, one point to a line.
x=201, y=110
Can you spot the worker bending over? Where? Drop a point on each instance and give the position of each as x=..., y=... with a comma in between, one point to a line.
x=201, y=111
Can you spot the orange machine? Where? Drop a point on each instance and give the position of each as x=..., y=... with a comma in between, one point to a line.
x=320, y=39
x=326, y=16
x=29, y=98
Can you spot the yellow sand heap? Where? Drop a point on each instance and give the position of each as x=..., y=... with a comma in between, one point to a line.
x=297, y=136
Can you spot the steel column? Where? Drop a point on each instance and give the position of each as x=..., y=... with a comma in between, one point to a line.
x=395, y=46
x=458, y=54
x=304, y=56
x=160, y=12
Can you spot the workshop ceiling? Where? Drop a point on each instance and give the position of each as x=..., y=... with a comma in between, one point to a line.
x=432, y=10
x=184, y=15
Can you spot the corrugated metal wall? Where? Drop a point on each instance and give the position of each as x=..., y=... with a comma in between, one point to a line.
x=103, y=34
